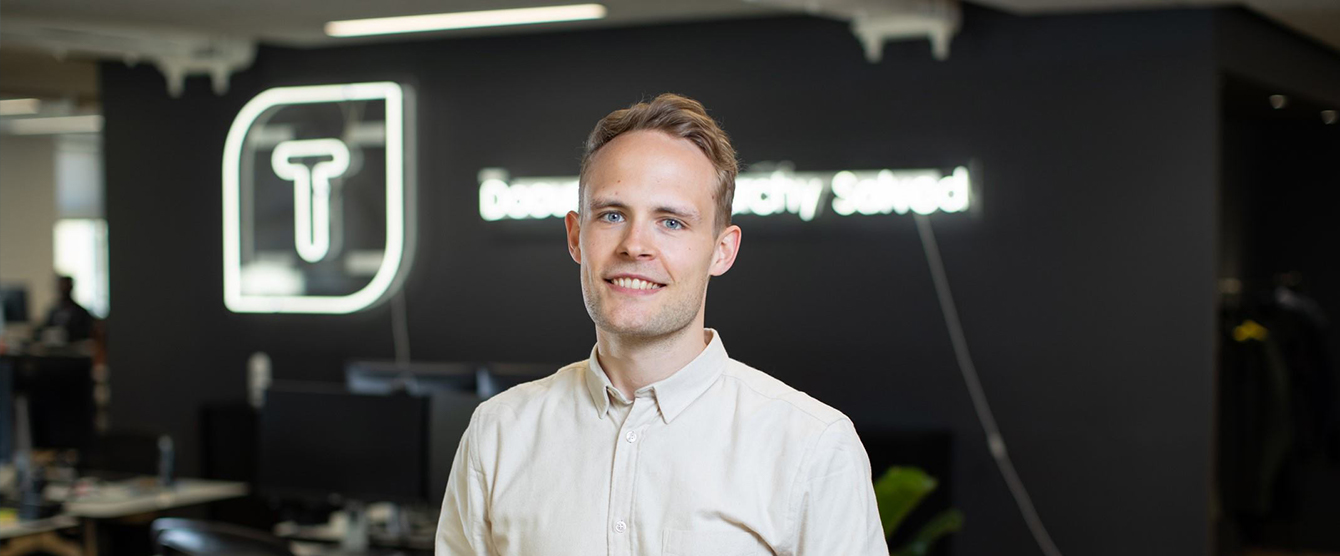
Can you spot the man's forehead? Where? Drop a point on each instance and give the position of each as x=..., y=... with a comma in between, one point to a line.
x=650, y=165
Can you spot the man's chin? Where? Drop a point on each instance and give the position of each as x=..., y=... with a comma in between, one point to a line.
x=636, y=328
x=631, y=330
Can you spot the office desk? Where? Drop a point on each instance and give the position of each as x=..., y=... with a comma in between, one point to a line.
x=324, y=539
x=122, y=499
x=39, y=535
x=110, y=501
x=126, y=499
x=323, y=549
x=37, y=526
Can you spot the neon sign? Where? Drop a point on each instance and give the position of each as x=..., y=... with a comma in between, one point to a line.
x=296, y=161
x=782, y=191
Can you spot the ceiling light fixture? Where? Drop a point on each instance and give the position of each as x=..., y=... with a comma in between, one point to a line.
x=20, y=106
x=463, y=20
x=91, y=123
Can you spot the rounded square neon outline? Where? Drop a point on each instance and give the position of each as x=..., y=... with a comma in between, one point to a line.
x=388, y=273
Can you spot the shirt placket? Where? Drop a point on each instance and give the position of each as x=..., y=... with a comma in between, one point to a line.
x=623, y=481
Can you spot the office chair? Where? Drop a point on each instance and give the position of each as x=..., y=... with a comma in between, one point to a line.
x=188, y=537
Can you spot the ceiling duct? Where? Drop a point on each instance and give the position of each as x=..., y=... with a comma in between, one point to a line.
x=177, y=54
x=877, y=21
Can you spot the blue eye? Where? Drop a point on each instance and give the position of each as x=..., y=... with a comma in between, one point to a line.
x=611, y=217
x=673, y=224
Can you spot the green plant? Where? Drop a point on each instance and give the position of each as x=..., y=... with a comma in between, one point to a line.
x=897, y=493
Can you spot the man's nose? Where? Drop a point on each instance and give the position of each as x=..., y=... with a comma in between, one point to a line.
x=637, y=243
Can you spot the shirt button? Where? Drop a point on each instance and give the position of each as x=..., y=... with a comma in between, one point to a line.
x=631, y=436
x=620, y=526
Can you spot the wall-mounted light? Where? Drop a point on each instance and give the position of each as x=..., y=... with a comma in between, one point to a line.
x=1329, y=117
x=463, y=20
x=1278, y=101
x=280, y=289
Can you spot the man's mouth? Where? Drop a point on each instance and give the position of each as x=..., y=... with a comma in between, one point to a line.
x=635, y=283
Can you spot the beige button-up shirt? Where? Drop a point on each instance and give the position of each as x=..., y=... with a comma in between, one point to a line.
x=718, y=459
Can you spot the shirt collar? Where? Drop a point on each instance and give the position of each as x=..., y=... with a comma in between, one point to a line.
x=675, y=392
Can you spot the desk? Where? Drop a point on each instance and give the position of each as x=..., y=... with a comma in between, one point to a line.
x=39, y=535
x=127, y=499
x=322, y=549
x=122, y=499
x=111, y=501
x=314, y=536
x=36, y=526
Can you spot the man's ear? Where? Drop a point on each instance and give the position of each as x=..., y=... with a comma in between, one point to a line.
x=727, y=247
x=573, y=222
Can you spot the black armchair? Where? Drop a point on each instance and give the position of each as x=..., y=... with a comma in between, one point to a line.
x=189, y=537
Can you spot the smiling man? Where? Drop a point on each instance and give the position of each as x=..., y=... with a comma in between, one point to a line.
x=659, y=443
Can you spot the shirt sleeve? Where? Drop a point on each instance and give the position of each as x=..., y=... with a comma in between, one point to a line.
x=463, y=527
x=835, y=500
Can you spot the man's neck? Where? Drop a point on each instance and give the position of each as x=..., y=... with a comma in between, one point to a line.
x=632, y=363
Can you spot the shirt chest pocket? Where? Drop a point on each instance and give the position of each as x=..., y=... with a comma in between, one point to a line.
x=728, y=543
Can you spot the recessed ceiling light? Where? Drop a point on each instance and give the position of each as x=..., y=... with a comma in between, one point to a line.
x=1278, y=101
x=463, y=20
x=20, y=106
x=91, y=123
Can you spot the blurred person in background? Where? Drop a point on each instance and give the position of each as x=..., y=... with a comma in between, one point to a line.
x=67, y=315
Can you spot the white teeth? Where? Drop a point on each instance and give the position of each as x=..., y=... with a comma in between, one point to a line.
x=635, y=284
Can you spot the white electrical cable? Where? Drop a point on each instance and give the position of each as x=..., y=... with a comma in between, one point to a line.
x=995, y=442
x=400, y=329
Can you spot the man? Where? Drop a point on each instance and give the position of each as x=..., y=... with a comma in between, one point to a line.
x=67, y=315
x=659, y=443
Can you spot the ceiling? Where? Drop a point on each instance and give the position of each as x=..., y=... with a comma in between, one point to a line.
x=300, y=23
x=1318, y=19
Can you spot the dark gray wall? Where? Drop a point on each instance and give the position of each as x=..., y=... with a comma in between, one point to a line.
x=1085, y=283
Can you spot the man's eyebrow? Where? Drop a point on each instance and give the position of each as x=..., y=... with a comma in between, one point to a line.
x=683, y=213
x=606, y=203
x=680, y=212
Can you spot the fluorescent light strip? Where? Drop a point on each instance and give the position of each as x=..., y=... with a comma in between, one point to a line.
x=463, y=20
x=20, y=106
x=53, y=126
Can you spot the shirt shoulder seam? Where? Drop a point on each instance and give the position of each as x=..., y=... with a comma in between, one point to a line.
x=798, y=407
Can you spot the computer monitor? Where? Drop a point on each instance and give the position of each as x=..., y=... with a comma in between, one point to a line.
x=498, y=377
x=449, y=416
x=6, y=409
x=417, y=379
x=319, y=442
x=61, y=409
x=14, y=303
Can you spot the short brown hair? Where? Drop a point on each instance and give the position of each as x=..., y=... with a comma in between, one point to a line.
x=680, y=117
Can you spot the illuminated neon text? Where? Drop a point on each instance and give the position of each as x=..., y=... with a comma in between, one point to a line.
x=803, y=194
